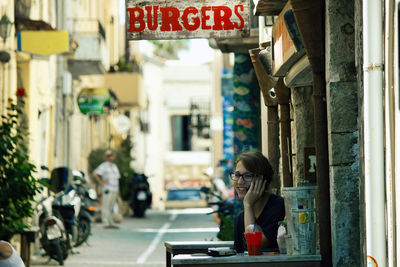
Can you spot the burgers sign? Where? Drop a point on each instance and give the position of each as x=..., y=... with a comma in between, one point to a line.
x=180, y=19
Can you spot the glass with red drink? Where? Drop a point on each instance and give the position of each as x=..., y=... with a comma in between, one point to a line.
x=253, y=240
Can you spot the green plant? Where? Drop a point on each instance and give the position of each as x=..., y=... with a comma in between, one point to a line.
x=169, y=49
x=283, y=223
x=18, y=185
x=123, y=160
x=123, y=66
x=96, y=157
x=226, y=233
x=132, y=65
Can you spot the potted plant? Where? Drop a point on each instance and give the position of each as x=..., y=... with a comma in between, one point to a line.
x=18, y=185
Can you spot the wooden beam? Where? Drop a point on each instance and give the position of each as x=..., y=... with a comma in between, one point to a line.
x=268, y=7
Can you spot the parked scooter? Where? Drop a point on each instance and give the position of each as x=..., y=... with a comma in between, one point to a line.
x=68, y=205
x=52, y=234
x=88, y=196
x=141, y=196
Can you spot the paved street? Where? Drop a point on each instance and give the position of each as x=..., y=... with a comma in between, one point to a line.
x=140, y=242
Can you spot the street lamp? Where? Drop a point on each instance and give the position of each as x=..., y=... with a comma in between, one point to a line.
x=5, y=30
x=5, y=27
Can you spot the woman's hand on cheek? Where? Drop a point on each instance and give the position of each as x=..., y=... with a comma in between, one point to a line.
x=256, y=190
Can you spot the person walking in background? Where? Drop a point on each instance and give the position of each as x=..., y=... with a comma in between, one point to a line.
x=262, y=209
x=107, y=174
x=9, y=256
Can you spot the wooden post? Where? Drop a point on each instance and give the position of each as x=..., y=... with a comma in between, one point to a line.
x=309, y=15
x=283, y=96
x=266, y=84
x=25, y=249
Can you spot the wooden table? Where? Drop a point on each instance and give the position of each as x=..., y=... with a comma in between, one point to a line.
x=241, y=260
x=189, y=247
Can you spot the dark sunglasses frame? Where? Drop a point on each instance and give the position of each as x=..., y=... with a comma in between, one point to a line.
x=247, y=177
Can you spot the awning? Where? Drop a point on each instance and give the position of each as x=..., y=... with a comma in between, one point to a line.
x=88, y=67
x=43, y=42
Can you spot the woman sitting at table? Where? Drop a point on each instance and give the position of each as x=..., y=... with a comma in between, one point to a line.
x=262, y=210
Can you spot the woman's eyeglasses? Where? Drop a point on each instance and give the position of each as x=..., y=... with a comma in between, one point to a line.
x=247, y=177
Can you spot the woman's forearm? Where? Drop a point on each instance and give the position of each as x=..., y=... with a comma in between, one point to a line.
x=249, y=217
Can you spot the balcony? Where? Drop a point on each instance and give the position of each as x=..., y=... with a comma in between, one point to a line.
x=91, y=55
x=128, y=87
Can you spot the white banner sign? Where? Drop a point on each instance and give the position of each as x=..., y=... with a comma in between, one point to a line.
x=183, y=19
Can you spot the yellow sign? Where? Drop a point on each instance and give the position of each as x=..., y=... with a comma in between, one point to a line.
x=43, y=42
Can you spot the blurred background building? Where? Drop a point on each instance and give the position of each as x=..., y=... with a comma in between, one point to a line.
x=64, y=55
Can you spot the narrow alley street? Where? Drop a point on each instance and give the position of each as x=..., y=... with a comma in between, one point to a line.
x=139, y=241
x=283, y=114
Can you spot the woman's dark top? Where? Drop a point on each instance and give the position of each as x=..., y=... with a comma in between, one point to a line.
x=273, y=212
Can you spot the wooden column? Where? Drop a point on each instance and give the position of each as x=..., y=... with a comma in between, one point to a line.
x=283, y=96
x=310, y=18
x=266, y=84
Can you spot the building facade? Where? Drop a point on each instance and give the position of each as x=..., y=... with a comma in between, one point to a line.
x=336, y=64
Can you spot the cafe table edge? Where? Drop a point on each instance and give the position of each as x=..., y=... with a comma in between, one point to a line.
x=184, y=259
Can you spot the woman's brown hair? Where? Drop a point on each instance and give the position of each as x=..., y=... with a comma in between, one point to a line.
x=257, y=163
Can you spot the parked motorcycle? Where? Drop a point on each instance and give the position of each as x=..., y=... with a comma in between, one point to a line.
x=88, y=196
x=67, y=205
x=141, y=196
x=52, y=234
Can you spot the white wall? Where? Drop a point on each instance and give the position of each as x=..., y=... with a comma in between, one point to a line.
x=184, y=83
x=187, y=158
x=169, y=89
x=41, y=96
x=150, y=146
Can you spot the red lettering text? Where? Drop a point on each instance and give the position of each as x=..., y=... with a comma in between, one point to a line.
x=205, y=17
x=219, y=18
x=152, y=22
x=133, y=19
x=195, y=20
x=170, y=16
x=158, y=17
x=239, y=16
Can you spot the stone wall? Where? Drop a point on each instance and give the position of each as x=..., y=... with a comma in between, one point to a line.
x=359, y=69
x=342, y=104
x=302, y=130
